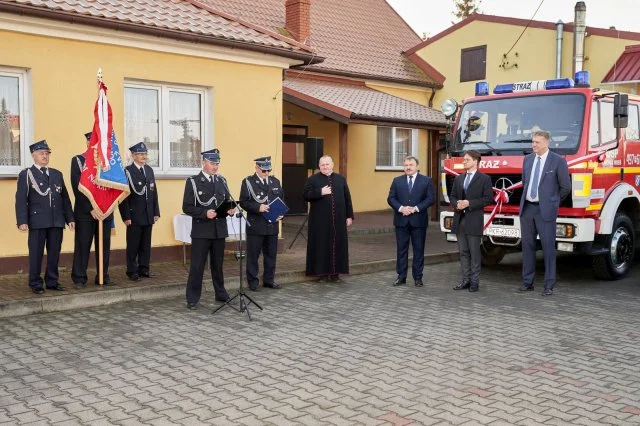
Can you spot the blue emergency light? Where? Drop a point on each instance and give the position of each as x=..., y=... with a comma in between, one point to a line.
x=583, y=79
x=530, y=86
x=559, y=83
x=482, y=88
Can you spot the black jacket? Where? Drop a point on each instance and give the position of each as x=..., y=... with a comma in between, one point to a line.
x=193, y=204
x=479, y=193
x=140, y=209
x=272, y=190
x=42, y=211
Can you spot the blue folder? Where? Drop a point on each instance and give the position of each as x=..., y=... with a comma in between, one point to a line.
x=277, y=208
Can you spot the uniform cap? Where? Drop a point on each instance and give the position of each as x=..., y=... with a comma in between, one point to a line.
x=263, y=162
x=213, y=155
x=138, y=148
x=39, y=146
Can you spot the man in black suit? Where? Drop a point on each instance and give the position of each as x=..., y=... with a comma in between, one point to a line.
x=546, y=184
x=206, y=198
x=43, y=208
x=139, y=211
x=410, y=196
x=471, y=192
x=87, y=228
x=256, y=192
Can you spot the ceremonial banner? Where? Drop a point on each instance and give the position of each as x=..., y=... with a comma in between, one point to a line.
x=103, y=179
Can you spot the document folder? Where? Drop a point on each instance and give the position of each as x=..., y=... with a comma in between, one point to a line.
x=277, y=208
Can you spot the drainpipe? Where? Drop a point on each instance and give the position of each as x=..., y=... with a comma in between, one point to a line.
x=559, y=33
x=433, y=94
x=579, y=32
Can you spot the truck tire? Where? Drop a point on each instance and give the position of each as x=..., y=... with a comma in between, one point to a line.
x=491, y=253
x=616, y=264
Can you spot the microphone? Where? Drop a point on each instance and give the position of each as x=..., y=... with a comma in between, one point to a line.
x=222, y=178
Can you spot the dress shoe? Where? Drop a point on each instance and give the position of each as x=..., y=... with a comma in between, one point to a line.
x=58, y=287
x=145, y=275
x=473, y=288
x=80, y=286
x=335, y=279
x=191, y=306
x=254, y=288
x=274, y=286
x=134, y=277
x=547, y=292
x=38, y=290
x=399, y=281
x=462, y=286
x=525, y=288
x=419, y=283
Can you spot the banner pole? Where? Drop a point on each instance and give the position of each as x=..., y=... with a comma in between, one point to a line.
x=100, y=252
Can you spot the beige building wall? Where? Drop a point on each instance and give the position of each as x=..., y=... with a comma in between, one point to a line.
x=245, y=115
x=535, y=55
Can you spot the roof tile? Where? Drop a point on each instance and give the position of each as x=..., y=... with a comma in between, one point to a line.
x=363, y=37
x=175, y=15
x=366, y=103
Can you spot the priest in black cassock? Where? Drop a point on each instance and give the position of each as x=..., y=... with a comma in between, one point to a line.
x=330, y=214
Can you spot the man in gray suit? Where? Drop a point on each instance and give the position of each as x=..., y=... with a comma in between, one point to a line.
x=546, y=183
x=471, y=192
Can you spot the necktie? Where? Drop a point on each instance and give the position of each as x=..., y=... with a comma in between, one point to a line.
x=536, y=179
x=44, y=173
x=410, y=183
x=467, y=179
x=142, y=171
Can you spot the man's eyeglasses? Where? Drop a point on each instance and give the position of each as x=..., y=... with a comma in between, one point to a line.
x=265, y=171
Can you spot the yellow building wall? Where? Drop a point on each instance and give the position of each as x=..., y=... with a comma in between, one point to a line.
x=370, y=187
x=536, y=56
x=417, y=95
x=247, y=120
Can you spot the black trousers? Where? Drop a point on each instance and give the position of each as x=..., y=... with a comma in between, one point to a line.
x=268, y=245
x=200, y=249
x=138, y=248
x=86, y=233
x=470, y=256
x=532, y=225
x=417, y=236
x=38, y=239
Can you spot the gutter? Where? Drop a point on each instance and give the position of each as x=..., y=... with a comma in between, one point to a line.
x=73, y=18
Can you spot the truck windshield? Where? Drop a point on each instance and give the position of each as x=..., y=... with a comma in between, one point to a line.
x=504, y=126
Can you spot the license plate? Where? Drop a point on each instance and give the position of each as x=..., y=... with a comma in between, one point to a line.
x=503, y=232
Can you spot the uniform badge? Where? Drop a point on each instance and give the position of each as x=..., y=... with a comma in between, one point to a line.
x=151, y=185
x=201, y=179
x=58, y=188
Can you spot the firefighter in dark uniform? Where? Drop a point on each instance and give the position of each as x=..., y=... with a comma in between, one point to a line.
x=256, y=192
x=139, y=211
x=87, y=229
x=207, y=200
x=43, y=208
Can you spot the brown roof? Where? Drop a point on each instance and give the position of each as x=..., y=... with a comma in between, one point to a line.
x=363, y=38
x=627, y=67
x=347, y=102
x=602, y=32
x=181, y=19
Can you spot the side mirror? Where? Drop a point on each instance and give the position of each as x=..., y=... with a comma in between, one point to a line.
x=620, y=111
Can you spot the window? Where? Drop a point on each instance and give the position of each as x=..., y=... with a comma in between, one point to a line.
x=473, y=63
x=170, y=120
x=14, y=137
x=633, y=129
x=393, y=145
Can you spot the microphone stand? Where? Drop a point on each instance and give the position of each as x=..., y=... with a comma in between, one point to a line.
x=244, y=298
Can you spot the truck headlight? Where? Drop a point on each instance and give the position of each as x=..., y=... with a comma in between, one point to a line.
x=565, y=230
x=448, y=222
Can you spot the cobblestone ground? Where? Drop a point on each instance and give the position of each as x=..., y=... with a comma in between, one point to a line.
x=361, y=352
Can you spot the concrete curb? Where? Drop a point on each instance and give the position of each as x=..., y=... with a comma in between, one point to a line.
x=109, y=296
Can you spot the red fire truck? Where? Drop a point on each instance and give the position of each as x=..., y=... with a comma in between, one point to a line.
x=596, y=131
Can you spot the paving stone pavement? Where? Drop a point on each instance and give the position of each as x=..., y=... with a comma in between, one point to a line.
x=357, y=353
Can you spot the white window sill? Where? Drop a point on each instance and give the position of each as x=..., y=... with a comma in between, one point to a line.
x=389, y=168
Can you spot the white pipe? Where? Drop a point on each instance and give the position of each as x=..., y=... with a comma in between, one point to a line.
x=559, y=34
x=579, y=33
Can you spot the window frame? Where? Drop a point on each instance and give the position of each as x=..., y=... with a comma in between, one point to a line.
x=164, y=90
x=414, y=147
x=26, y=119
x=636, y=107
x=473, y=76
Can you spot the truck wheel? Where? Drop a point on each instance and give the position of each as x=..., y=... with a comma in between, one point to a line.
x=491, y=253
x=616, y=264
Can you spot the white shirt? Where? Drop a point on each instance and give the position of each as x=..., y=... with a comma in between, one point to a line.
x=543, y=159
x=208, y=176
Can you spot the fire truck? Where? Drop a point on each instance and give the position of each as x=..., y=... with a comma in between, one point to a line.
x=596, y=131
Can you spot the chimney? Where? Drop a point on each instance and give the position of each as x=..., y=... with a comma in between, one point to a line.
x=298, y=19
x=579, y=33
